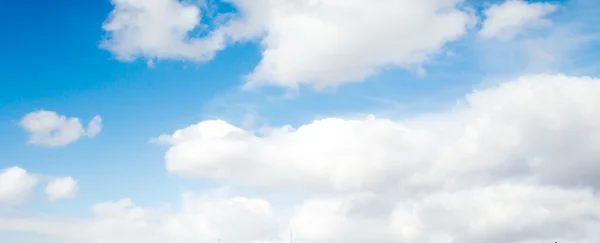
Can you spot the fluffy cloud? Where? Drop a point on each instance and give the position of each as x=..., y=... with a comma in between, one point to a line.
x=325, y=43
x=542, y=128
x=205, y=218
x=508, y=19
x=319, y=43
x=16, y=185
x=156, y=28
x=502, y=212
x=47, y=128
x=61, y=188
x=512, y=163
x=495, y=213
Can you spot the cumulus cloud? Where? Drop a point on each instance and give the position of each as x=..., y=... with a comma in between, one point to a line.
x=204, y=217
x=16, y=185
x=515, y=162
x=318, y=43
x=325, y=43
x=496, y=213
x=156, y=28
x=510, y=18
x=542, y=128
x=47, y=128
x=61, y=188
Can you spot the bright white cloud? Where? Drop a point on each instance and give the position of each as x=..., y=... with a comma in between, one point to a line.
x=202, y=218
x=47, y=128
x=525, y=148
x=16, y=185
x=494, y=214
x=511, y=163
x=513, y=212
x=156, y=28
x=326, y=43
x=61, y=188
x=510, y=18
x=542, y=128
x=318, y=43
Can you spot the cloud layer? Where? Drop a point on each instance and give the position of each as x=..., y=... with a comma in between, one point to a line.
x=318, y=43
x=47, y=128
x=516, y=162
x=206, y=217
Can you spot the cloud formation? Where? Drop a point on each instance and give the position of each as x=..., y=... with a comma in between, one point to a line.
x=542, y=128
x=16, y=185
x=317, y=43
x=156, y=28
x=525, y=148
x=513, y=212
x=204, y=217
x=508, y=19
x=503, y=212
x=61, y=188
x=515, y=162
x=47, y=128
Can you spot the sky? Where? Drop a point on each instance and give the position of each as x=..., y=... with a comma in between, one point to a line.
x=434, y=121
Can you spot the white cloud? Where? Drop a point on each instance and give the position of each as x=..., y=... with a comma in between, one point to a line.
x=542, y=128
x=503, y=212
x=511, y=163
x=326, y=43
x=16, y=185
x=510, y=18
x=47, y=128
x=61, y=188
x=94, y=127
x=494, y=214
x=156, y=28
x=318, y=43
x=202, y=218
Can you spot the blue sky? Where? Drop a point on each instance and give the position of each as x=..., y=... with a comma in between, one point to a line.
x=55, y=57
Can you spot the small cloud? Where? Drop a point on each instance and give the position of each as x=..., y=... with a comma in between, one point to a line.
x=61, y=188
x=162, y=139
x=47, y=128
x=94, y=127
x=506, y=20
